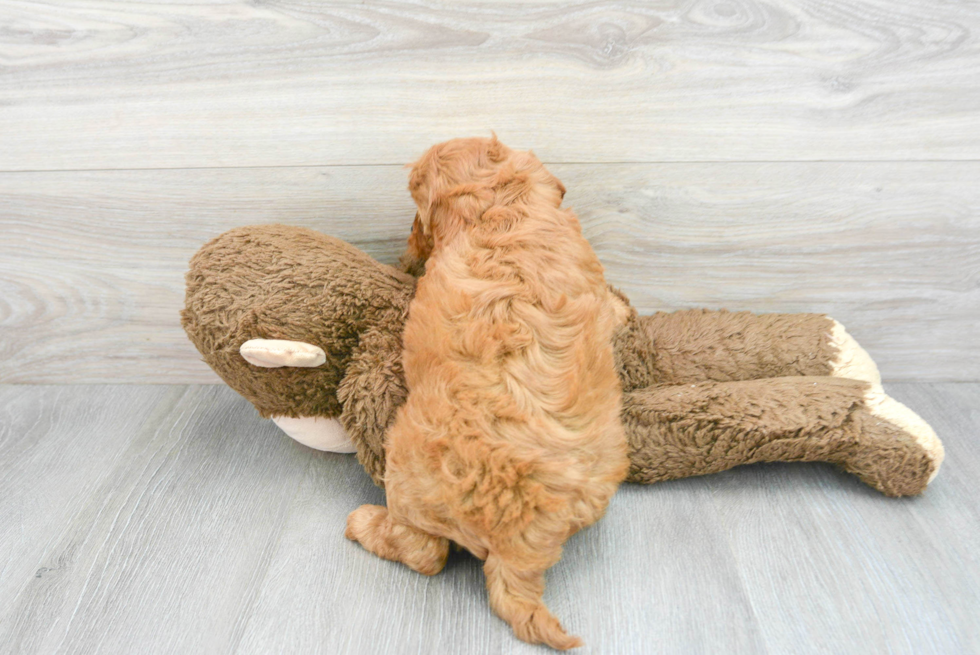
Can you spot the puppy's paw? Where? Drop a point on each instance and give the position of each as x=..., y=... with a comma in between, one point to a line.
x=364, y=522
x=371, y=526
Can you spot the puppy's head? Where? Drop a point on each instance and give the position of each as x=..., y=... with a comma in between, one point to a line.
x=455, y=182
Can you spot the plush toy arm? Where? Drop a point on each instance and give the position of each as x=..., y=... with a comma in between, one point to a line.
x=676, y=431
x=698, y=345
x=371, y=392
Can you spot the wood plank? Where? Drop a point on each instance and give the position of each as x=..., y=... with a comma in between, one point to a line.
x=101, y=84
x=164, y=556
x=92, y=263
x=57, y=447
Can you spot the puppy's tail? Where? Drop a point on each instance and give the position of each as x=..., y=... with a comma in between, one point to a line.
x=515, y=596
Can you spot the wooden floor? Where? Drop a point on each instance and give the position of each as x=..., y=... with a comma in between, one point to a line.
x=172, y=519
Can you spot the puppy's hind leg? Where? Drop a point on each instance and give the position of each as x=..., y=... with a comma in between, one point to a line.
x=515, y=595
x=373, y=527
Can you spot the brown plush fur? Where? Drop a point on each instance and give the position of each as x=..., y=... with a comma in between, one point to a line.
x=290, y=286
x=510, y=439
x=275, y=281
x=783, y=419
x=697, y=345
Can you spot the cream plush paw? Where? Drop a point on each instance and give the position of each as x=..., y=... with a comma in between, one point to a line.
x=887, y=408
x=855, y=363
x=852, y=361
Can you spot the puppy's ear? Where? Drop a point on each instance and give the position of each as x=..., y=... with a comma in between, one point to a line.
x=429, y=202
x=418, y=249
x=422, y=182
x=496, y=152
x=550, y=178
x=560, y=187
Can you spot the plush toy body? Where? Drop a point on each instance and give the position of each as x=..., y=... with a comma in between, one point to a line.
x=308, y=328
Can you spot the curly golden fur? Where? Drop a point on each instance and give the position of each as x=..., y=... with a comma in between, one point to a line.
x=510, y=440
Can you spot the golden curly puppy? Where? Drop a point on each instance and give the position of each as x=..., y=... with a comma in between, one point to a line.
x=510, y=440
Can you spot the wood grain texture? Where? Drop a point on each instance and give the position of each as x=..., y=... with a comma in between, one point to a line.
x=897, y=577
x=612, y=585
x=165, y=554
x=57, y=447
x=101, y=84
x=201, y=528
x=92, y=263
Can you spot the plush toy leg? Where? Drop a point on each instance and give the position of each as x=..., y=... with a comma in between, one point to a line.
x=677, y=431
x=697, y=345
x=853, y=362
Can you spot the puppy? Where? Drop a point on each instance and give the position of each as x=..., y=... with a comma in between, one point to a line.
x=510, y=439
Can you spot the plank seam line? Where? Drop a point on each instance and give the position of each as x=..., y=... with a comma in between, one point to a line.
x=549, y=163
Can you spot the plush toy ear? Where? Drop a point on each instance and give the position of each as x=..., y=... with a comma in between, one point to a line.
x=276, y=353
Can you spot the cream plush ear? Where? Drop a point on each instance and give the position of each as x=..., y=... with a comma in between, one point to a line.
x=275, y=353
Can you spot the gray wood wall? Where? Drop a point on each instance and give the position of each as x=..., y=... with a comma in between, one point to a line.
x=773, y=156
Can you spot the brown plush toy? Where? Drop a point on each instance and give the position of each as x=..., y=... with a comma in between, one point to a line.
x=308, y=328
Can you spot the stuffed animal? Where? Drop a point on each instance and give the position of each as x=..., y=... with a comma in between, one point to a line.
x=308, y=329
